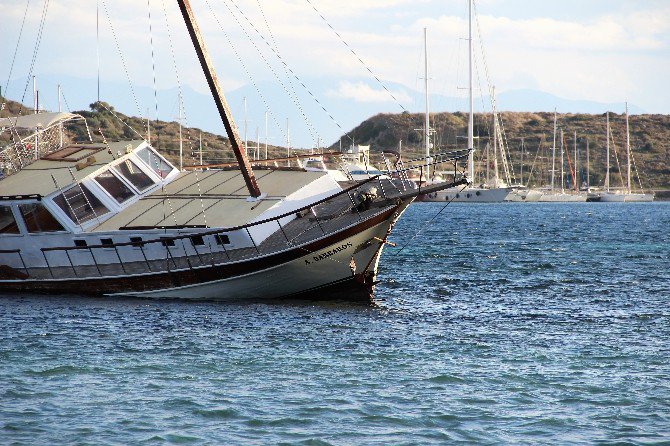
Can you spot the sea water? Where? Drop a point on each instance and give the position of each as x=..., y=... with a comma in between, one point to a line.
x=493, y=324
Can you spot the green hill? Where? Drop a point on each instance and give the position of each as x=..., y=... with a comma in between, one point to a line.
x=650, y=141
x=103, y=120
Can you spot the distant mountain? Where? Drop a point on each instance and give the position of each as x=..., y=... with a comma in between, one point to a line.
x=348, y=101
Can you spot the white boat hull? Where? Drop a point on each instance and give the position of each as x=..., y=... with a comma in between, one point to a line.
x=306, y=275
x=608, y=197
x=469, y=195
x=563, y=198
x=524, y=195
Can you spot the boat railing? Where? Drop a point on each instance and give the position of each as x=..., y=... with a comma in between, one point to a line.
x=19, y=255
x=25, y=150
x=200, y=248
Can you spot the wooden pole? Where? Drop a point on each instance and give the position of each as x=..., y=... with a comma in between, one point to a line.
x=219, y=98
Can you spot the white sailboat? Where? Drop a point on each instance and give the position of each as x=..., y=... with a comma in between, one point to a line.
x=521, y=193
x=626, y=195
x=492, y=192
x=553, y=195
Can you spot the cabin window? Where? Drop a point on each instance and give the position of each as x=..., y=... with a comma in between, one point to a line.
x=197, y=240
x=157, y=164
x=134, y=175
x=80, y=243
x=167, y=241
x=39, y=219
x=222, y=239
x=136, y=241
x=114, y=187
x=107, y=242
x=80, y=205
x=7, y=222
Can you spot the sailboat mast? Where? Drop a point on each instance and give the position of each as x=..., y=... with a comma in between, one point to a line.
x=576, y=166
x=200, y=146
x=219, y=98
x=426, y=135
x=553, y=155
x=628, y=147
x=562, y=165
x=607, y=171
x=521, y=170
x=588, y=168
x=495, y=147
x=471, y=119
x=60, y=127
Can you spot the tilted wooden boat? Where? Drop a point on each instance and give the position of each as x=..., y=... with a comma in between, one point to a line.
x=118, y=219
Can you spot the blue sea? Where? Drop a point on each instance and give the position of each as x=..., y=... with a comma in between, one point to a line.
x=521, y=324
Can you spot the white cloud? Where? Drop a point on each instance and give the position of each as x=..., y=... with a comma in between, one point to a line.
x=596, y=58
x=361, y=92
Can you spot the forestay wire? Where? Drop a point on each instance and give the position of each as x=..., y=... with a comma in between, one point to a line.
x=311, y=128
x=123, y=60
x=18, y=41
x=356, y=55
x=290, y=70
x=246, y=69
x=36, y=49
x=427, y=224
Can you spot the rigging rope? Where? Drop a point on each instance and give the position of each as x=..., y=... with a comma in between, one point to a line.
x=36, y=49
x=356, y=55
x=123, y=60
x=294, y=97
x=153, y=61
x=18, y=41
x=290, y=70
x=428, y=223
x=504, y=142
x=245, y=68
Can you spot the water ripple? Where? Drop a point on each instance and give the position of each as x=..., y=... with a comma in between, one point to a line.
x=519, y=324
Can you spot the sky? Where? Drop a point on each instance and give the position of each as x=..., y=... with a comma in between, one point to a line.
x=599, y=50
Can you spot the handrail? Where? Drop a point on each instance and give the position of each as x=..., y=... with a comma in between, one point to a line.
x=233, y=228
x=220, y=230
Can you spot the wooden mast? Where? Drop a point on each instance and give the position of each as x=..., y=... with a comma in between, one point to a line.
x=219, y=98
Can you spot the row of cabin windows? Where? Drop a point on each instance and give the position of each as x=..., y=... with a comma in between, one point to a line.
x=197, y=240
x=81, y=205
x=36, y=217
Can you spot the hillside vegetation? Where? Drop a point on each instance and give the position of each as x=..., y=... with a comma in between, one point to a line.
x=649, y=136
x=103, y=120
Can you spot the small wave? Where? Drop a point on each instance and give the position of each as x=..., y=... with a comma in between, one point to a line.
x=446, y=379
x=218, y=414
x=60, y=370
